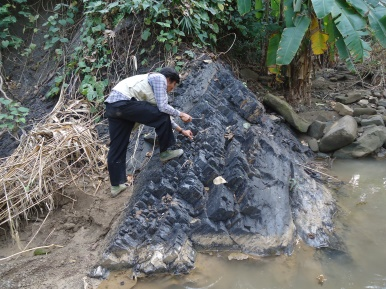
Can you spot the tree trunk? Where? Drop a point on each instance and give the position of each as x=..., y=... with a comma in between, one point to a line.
x=299, y=77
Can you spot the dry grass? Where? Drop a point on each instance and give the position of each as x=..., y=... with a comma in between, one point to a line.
x=52, y=156
x=374, y=68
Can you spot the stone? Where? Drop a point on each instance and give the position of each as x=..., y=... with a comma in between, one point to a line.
x=191, y=189
x=313, y=144
x=381, y=109
x=343, y=109
x=220, y=205
x=351, y=97
x=338, y=97
x=356, y=95
x=316, y=129
x=364, y=111
x=373, y=100
x=363, y=102
x=382, y=102
x=342, y=133
x=377, y=120
x=376, y=93
x=248, y=74
x=274, y=118
x=285, y=110
x=371, y=140
x=238, y=256
x=341, y=77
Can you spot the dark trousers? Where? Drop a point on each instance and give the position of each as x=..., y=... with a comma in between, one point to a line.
x=122, y=115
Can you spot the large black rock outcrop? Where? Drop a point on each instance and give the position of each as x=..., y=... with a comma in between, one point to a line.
x=268, y=202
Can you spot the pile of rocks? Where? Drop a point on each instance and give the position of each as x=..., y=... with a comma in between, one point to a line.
x=359, y=132
x=359, y=129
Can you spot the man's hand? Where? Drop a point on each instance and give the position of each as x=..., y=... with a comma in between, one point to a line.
x=188, y=133
x=185, y=117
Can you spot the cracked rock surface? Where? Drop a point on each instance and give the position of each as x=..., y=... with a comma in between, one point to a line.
x=266, y=204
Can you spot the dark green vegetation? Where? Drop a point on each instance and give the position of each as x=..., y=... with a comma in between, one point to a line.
x=286, y=35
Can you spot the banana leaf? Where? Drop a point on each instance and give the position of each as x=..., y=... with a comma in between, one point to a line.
x=291, y=39
x=275, y=8
x=322, y=7
x=376, y=15
x=352, y=27
x=318, y=38
x=377, y=20
x=359, y=6
x=273, y=46
x=343, y=51
x=330, y=28
x=259, y=8
x=297, y=5
x=289, y=14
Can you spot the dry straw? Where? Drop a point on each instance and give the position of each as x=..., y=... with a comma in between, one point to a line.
x=56, y=152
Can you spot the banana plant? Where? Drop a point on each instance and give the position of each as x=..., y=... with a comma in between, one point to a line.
x=343, y=27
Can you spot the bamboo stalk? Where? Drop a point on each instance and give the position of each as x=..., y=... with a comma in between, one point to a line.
x=318, y=172
x=32, y=249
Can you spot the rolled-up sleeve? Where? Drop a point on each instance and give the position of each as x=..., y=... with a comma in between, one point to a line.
x=159, y=84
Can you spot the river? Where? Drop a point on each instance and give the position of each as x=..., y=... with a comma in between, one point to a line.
x=360, y=222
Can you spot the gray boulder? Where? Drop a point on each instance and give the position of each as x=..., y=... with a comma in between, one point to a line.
x=285, y=110
x=382, y=102
x=364, y=111
x=377, y=120
x=352, y=96
x=373, y=100
x=371, y=140
x=316, y=129
x=343, y=109
x=363, y=103
x=376, y=94
x=313, y=144
x=341, y=133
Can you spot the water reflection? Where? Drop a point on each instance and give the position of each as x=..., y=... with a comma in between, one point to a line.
x=355, y=180
x=362, y=264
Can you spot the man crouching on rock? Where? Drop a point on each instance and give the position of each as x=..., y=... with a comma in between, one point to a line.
x=141, y=99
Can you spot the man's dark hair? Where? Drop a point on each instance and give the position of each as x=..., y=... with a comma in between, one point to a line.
x=170, y=73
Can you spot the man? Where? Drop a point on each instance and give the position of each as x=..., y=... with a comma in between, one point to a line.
x=141, y=99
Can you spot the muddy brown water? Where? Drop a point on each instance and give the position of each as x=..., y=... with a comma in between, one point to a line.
x=360, y=223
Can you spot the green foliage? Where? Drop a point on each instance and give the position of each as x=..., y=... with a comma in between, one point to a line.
x=58, y=23
x=348, y=25
x=322, y=7
x=291, y=39
x=173, y=22
x=168, y=22
x=93, y=89
x=12, y=114
x=55, y=89
x=9, y=13
x=244, y=6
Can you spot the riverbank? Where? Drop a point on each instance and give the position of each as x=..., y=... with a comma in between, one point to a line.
x=77, y=229
x=71, y=238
